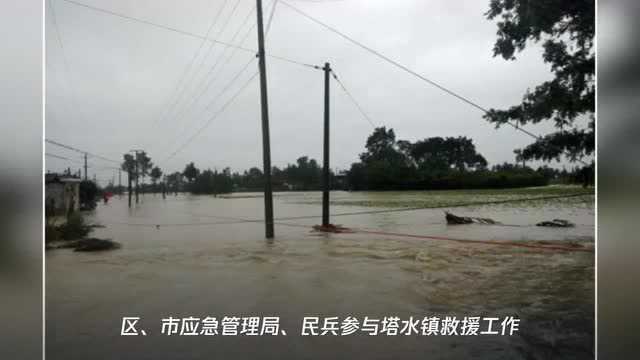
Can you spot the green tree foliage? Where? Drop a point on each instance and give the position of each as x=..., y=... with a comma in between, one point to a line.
x=88, y=193
x=144, y=164
x=190, y=172
x=129, y=164
x=174, y=182
x=432, y=163
x=155, y=175
x=566, y=30
x=442, y=154
x=305, y=174
x=139, y=165
x=212, y=182
x=384, y=164
x=250, y=180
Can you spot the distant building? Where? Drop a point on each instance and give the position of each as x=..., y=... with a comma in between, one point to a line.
x=62, y=193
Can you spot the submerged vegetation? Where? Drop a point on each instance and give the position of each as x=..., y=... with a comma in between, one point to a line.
x=560, y=195
x=73, y=233
x=74, y=228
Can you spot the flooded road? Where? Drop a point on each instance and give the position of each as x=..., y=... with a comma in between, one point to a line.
x=191, y=256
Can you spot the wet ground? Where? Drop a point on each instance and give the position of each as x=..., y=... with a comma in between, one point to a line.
x=191, y=256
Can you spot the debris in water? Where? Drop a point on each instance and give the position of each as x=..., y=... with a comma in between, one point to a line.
x=95, y=244
x=332, y=228
x=89, y=244
x=459, y=220
x=556, y=223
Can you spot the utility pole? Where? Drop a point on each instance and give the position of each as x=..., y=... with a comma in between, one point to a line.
x=325, y=167
x=85, y=166
x=129, y=188
x=266, y=146
x=120, y=182
x=137, y=174
x=164, y=187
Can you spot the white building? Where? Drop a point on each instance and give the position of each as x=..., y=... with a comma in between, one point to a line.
x=62, y=193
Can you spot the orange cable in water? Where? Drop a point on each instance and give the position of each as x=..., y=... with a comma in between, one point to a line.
x=344, y=230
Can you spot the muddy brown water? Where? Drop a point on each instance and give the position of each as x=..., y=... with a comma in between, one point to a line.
x=199, y=262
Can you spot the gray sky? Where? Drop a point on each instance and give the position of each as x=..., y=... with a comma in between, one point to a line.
x=120, y=80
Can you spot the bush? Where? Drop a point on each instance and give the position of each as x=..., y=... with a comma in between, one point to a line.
x=51, y=233
x=88, y=193
x=75, y=228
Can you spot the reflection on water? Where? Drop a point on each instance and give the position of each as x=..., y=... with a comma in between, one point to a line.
x=199, y=262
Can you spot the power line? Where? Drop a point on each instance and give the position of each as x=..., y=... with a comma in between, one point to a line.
x=220, y=111
x=194, y=100
x=57, y=156
x=270, y=20
x=183, y=32
x=408, y=70
x=80, y=162
x=418, y=208
x=317, y=67
x=235, y=221
x=364, y=114
x=69, y=147
x=220, y=94
x=193, y=59
x=64, y=158
x=65, y=61
x=202, y=61
x=378, y=54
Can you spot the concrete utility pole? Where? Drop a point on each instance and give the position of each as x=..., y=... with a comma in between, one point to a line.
x=266, y=146
x=325, y=167
x=120, y=182
x=85, y=166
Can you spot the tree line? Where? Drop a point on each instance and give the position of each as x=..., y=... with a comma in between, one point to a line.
x=441, y=163
x=303, y=175
x=387, y=163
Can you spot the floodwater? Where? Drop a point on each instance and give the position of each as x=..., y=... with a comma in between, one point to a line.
x=191, y=256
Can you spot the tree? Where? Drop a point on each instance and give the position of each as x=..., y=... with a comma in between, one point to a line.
x=431, y=163
x=155, y=175
x=304, y=175
x=212, y=182
x=381, y=145
x=384, y=163
x=174, y=181
x=88, y=192
x=144, y=164
x=190, y=172
x=438, y=154
x=566, y=29
x=252, y=179
x=129, y=166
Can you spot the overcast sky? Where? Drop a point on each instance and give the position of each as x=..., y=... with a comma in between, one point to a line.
x=115, y=92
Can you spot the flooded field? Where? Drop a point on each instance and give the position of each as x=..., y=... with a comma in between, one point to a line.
x=192, y=256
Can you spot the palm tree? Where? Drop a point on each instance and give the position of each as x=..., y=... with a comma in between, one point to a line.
x=129, y=166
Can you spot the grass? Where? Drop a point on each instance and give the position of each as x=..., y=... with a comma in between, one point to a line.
x=399, y=199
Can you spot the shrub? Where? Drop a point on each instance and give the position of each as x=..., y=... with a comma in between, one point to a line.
x=75, y=228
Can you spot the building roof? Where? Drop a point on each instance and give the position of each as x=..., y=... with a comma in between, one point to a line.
x=59, y=178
